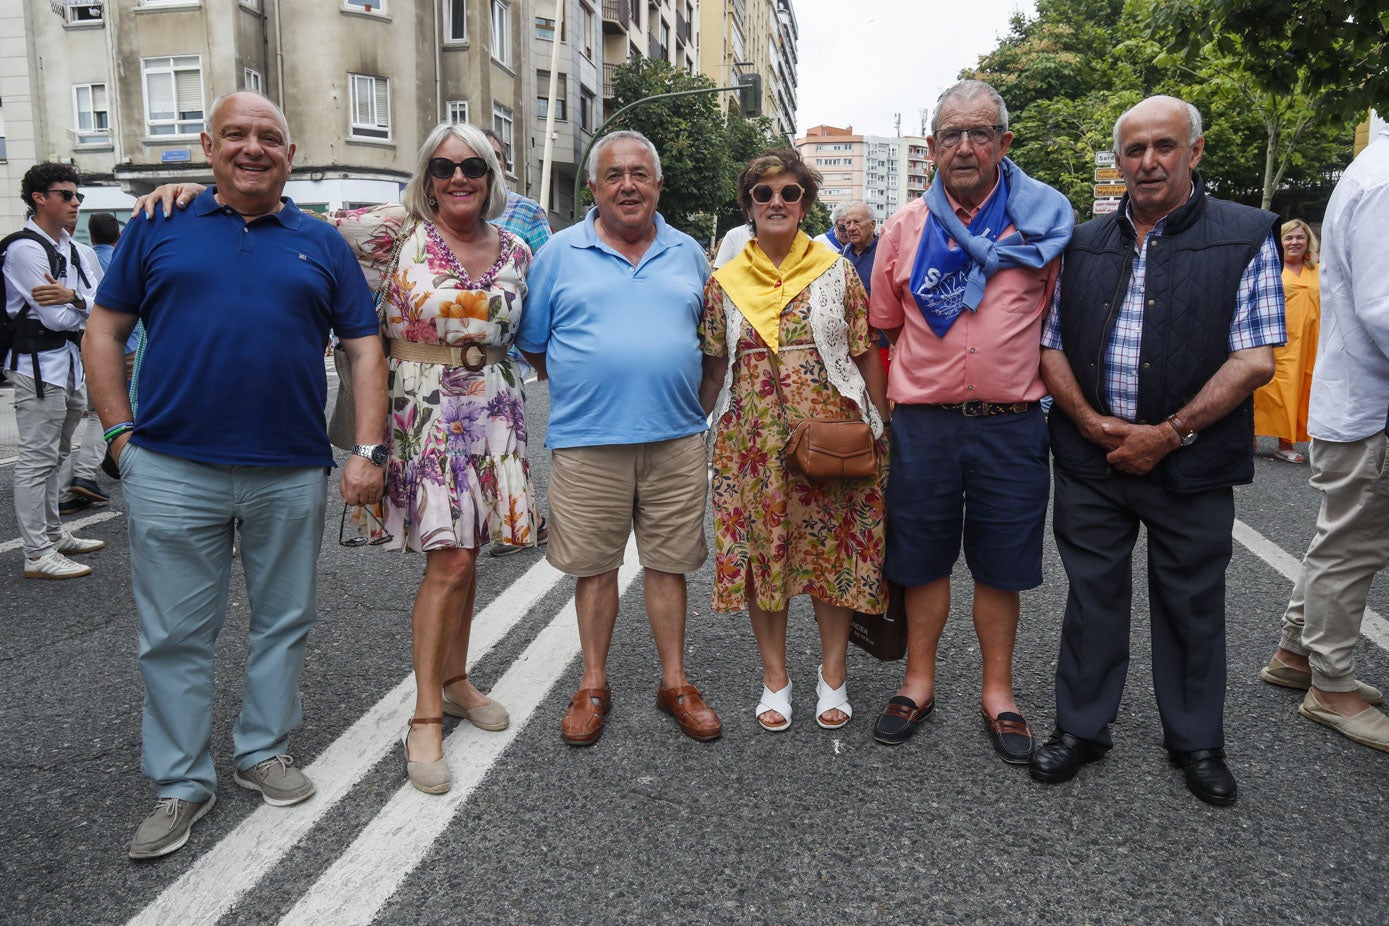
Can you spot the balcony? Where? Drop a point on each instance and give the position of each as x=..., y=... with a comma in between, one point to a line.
x=682, y=29
x=654, y=49
x=617, y=14
x=609, y=74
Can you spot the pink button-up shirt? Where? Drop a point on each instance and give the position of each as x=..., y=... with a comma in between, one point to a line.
x=991, y=355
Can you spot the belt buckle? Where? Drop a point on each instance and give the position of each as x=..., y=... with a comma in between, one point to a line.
x=474, y=357
x=974, y=409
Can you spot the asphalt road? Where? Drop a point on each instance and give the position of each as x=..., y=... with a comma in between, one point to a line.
x=648, y=826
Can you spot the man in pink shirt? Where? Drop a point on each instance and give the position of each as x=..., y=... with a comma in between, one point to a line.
x=961, y=286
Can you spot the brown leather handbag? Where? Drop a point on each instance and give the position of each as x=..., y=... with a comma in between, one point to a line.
x=827, y=448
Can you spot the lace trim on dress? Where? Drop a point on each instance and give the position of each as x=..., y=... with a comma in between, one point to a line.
x=831, y=334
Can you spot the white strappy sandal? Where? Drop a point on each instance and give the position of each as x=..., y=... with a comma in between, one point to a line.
x=831, y=699
x=779, y=701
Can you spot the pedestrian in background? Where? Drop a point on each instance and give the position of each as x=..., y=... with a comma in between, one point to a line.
x=1280, y=407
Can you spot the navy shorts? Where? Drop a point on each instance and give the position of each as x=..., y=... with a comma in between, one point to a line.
x=984, y=479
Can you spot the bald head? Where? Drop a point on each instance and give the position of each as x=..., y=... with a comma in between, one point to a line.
x=1161, y=107
x=259, y=99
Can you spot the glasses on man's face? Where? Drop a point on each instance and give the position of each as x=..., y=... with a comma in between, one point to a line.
x=357, y=531
x=791, y=193
x=978, y=135
x=68, y=195
x=474, y=168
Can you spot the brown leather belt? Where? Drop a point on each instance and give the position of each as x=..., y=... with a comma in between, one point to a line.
x=471, y=356
x=987, y=409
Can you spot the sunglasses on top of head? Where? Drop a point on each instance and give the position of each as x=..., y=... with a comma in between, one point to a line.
x=791, y=193
x=68, y=195
x=442, y=168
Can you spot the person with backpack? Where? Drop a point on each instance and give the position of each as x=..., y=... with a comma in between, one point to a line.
x=48, y=294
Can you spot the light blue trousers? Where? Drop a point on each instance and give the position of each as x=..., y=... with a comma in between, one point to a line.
x=183, y=519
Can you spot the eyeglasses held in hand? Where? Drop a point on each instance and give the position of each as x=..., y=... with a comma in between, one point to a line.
x=791, y=193
x=67, y=195
x=358, y=534
x=442, y=168
x=978, y=135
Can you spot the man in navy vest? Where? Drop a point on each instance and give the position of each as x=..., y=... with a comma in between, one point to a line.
x=1163, y=326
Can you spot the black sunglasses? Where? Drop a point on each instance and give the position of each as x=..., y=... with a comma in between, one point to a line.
x=67, y=195
x=356, y=534
x=791, y=193
x=442, y=168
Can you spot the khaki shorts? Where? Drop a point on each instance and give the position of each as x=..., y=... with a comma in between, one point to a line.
x=599, y=495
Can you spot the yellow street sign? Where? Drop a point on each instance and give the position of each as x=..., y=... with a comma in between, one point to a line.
x=1107, y=173
x=1108, y=189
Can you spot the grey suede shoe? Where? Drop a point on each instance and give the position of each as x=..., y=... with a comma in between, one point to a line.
x=1278, y=672
x=490, y=716
x=1368, y=728
x=429, y=777
x=280, y=784
x=167, y=827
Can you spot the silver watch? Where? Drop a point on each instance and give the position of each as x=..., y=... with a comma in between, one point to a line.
x=376, y=453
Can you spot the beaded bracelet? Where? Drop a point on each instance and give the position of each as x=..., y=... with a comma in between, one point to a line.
x=116, y=430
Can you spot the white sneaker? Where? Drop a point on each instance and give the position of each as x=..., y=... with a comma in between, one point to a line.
x=54, y=565
x=70, y=544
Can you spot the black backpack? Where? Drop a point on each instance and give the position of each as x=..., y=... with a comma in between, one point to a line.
x=26, y=335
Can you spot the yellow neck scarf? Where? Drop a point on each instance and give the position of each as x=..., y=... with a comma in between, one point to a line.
x=761, y=290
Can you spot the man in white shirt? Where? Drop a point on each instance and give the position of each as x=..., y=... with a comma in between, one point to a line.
x=45, y=364
x=1348, y=424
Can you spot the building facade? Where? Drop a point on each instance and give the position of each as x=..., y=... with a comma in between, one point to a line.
x=740, y=37
x=886, y=172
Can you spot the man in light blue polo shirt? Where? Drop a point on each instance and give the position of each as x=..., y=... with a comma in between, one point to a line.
x=611, y=318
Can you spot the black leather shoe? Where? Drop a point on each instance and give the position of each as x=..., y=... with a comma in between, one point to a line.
x=1207, y=776
x=1059, y=758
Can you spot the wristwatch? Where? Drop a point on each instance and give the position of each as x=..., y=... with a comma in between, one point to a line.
x=376, y=453
x=1184, y=435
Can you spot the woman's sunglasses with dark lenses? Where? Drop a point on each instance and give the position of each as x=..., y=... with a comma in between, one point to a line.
x=67, y=195
x=791, y=193
x=443, y=168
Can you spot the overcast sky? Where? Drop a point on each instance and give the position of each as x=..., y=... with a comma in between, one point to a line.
x=862, y=61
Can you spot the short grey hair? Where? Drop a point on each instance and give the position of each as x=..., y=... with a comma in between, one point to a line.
x=872, y=213
x=417, y=197
x=279, y=113
x=621, y=135
x=1193, y=116
x=969, y=90
x=837, y=212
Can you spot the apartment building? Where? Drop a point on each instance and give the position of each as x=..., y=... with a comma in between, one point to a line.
x=887, y=172
x=575, y=54
x=121, y=88
x=753, y=37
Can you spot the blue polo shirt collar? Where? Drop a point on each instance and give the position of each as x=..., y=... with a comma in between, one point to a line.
x=666, y=237
x=206, y=204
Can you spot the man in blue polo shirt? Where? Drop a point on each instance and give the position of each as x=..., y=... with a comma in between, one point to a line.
x=237, y=295
x=612, y=317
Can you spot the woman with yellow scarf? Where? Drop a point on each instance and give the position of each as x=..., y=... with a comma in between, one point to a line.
x=785, y=336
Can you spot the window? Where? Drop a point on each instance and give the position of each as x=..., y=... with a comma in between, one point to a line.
x=585, y=110
x=589, y=28
x=545, y=30
x=368, y=6
x=371, y=106
x=458, y=112
x=542, y=95
x=501, y=34
x=250, y=80
x=83, y=12
x=455, y=21
x=92, y=118
x=173, y=95
x=504, y=124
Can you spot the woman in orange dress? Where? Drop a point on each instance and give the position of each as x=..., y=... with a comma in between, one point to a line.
x=1280, y=408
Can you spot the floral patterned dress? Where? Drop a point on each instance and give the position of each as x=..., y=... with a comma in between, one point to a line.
x=790, y=534
x=458, y=474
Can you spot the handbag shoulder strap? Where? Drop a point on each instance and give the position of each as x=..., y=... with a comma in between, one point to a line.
x=391, y=267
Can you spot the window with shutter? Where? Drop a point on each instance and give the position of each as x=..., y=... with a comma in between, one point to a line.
x=91, y=116
x=173, y=95
x=371, y=106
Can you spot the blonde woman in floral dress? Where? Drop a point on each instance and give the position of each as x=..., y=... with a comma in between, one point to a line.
x=785, y=336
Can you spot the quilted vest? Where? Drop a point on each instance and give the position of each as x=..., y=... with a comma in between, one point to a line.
x=1191, y=282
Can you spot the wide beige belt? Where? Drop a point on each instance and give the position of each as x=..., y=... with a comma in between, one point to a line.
x=471, y=356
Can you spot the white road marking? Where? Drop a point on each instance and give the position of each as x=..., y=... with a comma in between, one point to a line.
x=72, y=526
x=1373, y=627
x=217, y=880
x=365, y=876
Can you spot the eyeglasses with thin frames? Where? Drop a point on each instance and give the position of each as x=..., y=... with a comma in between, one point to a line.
x=68, y=195
x=361, y=534
x=978, y=135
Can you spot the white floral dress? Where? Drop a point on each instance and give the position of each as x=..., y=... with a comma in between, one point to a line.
x=458, y=474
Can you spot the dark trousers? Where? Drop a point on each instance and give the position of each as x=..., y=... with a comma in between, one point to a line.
x=1189, y=546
